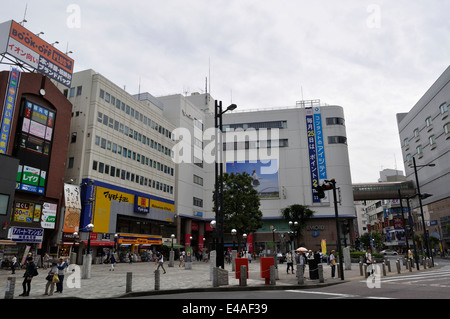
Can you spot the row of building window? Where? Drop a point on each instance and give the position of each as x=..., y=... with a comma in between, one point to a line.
x=126, y=175
x=134, y=113
x=124, y=129
x=127, y=153
x=443, y=112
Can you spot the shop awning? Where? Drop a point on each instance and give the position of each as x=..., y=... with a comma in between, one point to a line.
x=99, y=243
x=7, y=242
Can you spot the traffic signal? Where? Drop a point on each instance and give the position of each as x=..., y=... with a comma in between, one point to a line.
x=319, y=191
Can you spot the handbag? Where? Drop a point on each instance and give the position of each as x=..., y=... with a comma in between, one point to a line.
x=49, y=278
x=55, y=279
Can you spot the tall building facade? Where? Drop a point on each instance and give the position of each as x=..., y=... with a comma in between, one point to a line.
x=120, y=153
x=287, y=151
x=35, y=134
x=424, y=134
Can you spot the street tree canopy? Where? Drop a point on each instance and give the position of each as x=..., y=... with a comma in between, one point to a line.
x=297, y=213
x=240, y=204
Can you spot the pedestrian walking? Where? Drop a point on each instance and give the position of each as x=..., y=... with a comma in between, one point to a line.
x=181, y=259
x=112, y=261
x=369, y=261
x=14, y=265
x=30, y=272
x=332, y=260
x=290, y=262
x=62, y=265
x=51, y=280
x=46, y=261
x=160, y=261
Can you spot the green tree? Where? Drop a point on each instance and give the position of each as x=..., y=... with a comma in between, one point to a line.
x=297, y=213
x=240, y=204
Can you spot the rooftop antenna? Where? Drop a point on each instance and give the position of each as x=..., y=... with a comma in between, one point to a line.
x=139, y=89
x=209, y=76
x=24, y=15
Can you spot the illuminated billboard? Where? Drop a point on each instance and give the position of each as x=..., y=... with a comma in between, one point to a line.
x=22, y=44
x=264, y=175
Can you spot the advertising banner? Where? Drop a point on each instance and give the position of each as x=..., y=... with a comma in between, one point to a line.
x=48, y=220
x=310, y=133
x=8, y=109
x=27, y=47
x=265, y=180
x=27, y=235
x=73, y=208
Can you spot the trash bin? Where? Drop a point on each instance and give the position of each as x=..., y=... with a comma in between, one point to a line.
x=313, y=269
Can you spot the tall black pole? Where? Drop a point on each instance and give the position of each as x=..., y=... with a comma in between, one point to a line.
x=341, y=264
x=425, y=234
x=416, y=257
x=221, y=247
x=216, y=185
x=403, y=217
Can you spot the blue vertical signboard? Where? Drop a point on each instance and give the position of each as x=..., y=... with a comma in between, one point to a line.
x=310, y=133
x=8, y=109
x=320, y=147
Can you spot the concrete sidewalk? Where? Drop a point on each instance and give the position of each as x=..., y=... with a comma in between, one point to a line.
x=105, y=283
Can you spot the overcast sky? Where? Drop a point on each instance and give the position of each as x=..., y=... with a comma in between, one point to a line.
x=374, y=58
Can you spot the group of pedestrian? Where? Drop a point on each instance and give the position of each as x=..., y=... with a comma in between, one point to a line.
x=55, y=276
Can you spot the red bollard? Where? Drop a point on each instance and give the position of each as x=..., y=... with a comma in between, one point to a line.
x=265, y=263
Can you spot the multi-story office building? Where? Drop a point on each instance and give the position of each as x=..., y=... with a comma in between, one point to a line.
x=425, y=136
x=120, y=152
x=287, y=151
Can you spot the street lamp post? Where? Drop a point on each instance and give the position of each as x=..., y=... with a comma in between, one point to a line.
x=425, y=235
x=219, y=182
x=88, y=257
x=171, y=254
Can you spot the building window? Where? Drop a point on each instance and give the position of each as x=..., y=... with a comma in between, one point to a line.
x=443, y=108
x=337, y=140
x=79, y=90
x=416, y=132
x=447, y=130
x=198, y=202
x=406, y=142
x=432, y=140
x=73, y=138
x=335, y=121
x=198, y=180
x=70, y=164
x=428, y=121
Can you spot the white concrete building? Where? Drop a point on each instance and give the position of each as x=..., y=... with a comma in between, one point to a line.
x=120, y=153
x=425, y=135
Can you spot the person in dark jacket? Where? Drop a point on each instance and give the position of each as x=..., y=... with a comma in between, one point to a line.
x=28, y=276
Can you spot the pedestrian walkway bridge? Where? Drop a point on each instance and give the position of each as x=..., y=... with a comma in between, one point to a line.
x=383, y=190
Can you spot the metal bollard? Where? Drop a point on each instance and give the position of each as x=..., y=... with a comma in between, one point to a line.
x=243, y=277
x=10, y=286
x=321, y=278
x=157, y=280
x=272, y=276
x=361, y=273
x=129, y=282
x=398, y=266
x=300, y=279
x=384, y=269
x=425, y=263
x=365, y=271
x=388, y=263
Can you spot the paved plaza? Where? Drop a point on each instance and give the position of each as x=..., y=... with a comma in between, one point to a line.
x=105, y=283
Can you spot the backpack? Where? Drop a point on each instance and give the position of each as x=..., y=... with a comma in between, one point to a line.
x=35, y=272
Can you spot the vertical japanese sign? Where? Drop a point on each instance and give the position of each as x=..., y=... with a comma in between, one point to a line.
x=8, y=109
x=321, y=162
x=310, y=133
x=73, y=208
